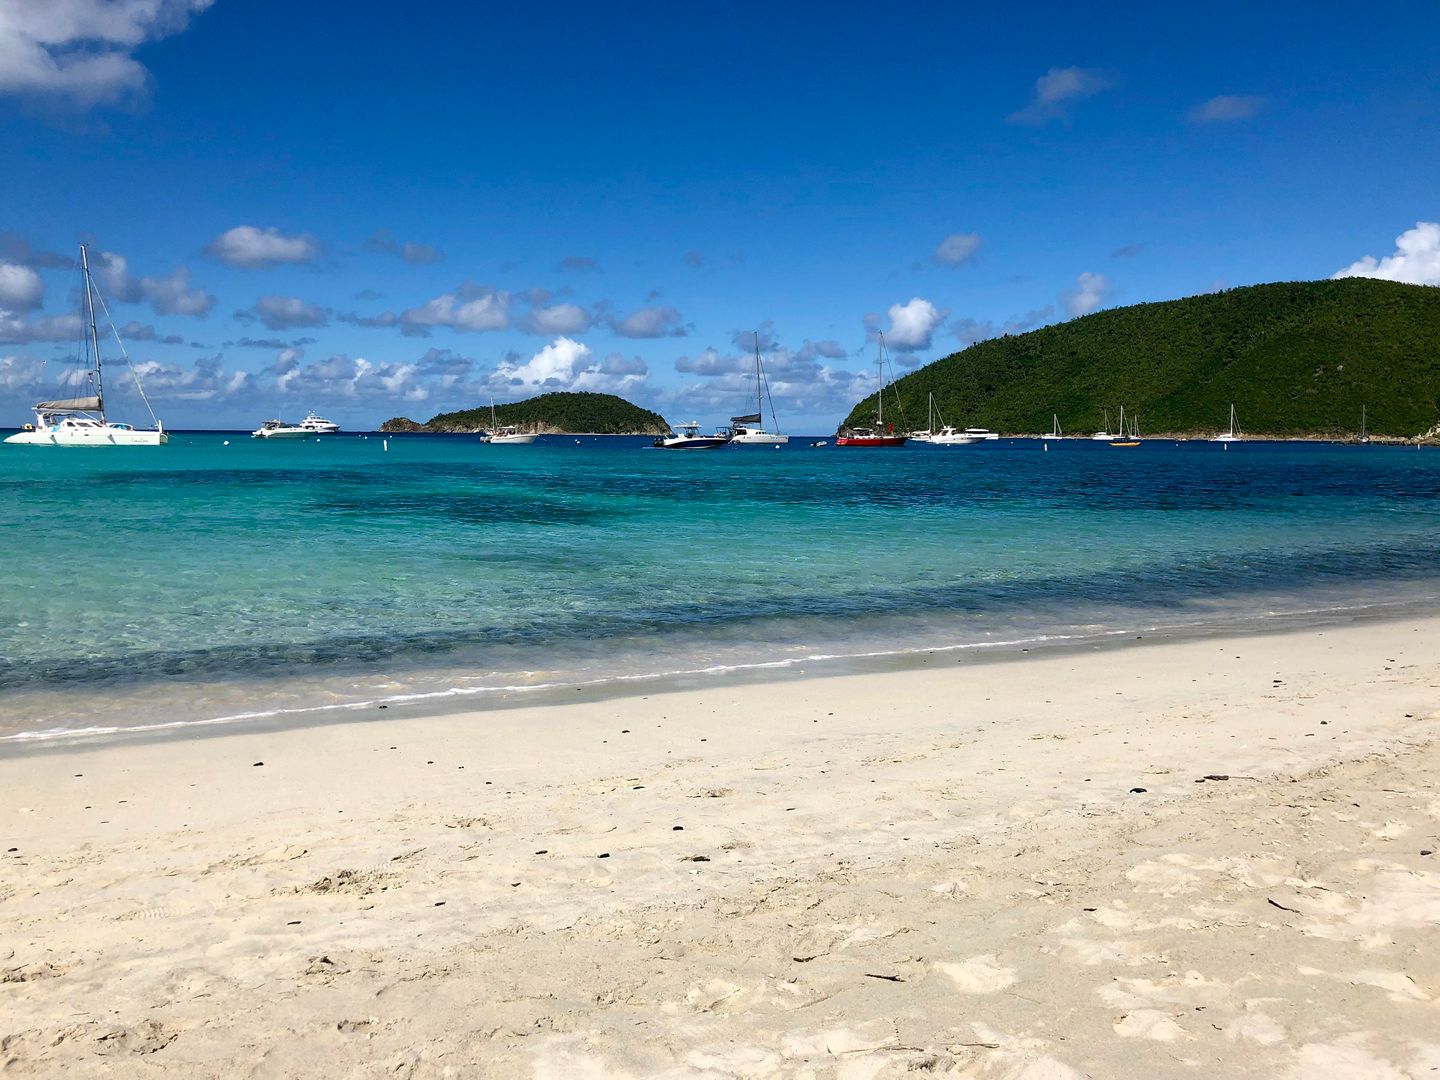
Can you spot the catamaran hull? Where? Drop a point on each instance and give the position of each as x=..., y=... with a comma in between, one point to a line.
x=511, y=440
x=90, y=437
x=759, y=439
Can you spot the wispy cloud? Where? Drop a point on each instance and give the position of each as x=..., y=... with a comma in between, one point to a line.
x=1416, y=258
x=968, y=331
x=285, y=313
x=1090, y=291
x=957, y=249
x=259, y=249
x=1227, y=107
x=1128, y=251
x=168, y=295
x=1056, y=91
x=579, y=264
x=77, y=53
x=384, y=242
x=651, y=322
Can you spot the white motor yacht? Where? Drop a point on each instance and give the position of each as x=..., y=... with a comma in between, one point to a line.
x=311, y=425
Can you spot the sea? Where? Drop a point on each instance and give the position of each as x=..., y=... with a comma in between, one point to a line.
x=224, y=580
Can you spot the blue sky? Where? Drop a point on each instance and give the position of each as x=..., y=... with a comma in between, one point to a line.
x=374, y=210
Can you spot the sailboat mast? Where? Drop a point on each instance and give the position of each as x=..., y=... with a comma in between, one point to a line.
x=759, y=405
x=94, y=333
x=880, y=374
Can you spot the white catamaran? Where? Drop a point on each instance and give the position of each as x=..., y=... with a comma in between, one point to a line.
x=81, y=421
x=747, y=430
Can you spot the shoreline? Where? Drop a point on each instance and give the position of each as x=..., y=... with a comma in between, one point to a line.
x=619, y=688
x=1086, y=864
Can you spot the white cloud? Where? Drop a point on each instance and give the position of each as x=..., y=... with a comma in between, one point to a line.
x=168, y=295
x=473, y=308
x=1416, y=258
x=557, y=319
x=1054, y=89
x=652, y=322
x=957, y=248
x=20, y=288
x=1090, y=291
x=77, y=52
x=285, y=313
x=912, y=325
x=258, y=249
x=710, y=362
x=1227, y=107
x=566, y=364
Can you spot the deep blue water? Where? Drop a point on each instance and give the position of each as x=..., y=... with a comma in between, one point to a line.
x=205, y=579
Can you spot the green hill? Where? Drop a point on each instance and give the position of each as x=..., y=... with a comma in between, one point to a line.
x=597, y=414
x=1296, y=358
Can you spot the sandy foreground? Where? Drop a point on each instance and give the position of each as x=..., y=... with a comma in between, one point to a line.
x=1011, y=870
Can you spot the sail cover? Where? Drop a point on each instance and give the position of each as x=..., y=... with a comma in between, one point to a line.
x=74, y=404
x=753, y=418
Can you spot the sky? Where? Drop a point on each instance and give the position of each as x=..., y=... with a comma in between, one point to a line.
x=375, y=210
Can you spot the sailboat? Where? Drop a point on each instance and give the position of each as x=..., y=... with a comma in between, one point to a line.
x=1127, y=437
x=880, y=434
x=1364, y=427
x=1055, y=432
x=1103, y=435
x=924, y=436
x=1233, y=435
x=511, y=435
x=746, y=430
x=81, y=421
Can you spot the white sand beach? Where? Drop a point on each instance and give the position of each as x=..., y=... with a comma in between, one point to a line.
x=1203, y=858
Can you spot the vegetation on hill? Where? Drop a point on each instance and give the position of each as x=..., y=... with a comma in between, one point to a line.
x=598, y=414
x=1296, y=359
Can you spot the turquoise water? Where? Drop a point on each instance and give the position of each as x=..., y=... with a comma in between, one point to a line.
x=208, y=580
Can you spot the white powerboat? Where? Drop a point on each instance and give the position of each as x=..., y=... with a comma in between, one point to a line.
x=980, y=434
x=510, y=435
x=747, y=430
x=81, y=421
x=948, y=436
x=311, y=425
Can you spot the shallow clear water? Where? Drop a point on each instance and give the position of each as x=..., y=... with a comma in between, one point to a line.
x=287, y=576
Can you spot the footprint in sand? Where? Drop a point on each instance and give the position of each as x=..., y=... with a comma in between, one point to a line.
x=978, y=975
x=1149, y=1024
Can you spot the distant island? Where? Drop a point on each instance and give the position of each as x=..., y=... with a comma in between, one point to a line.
x=556, y=413
x=1298, y=359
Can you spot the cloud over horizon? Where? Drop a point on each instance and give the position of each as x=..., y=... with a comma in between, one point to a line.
x=1415, y=260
